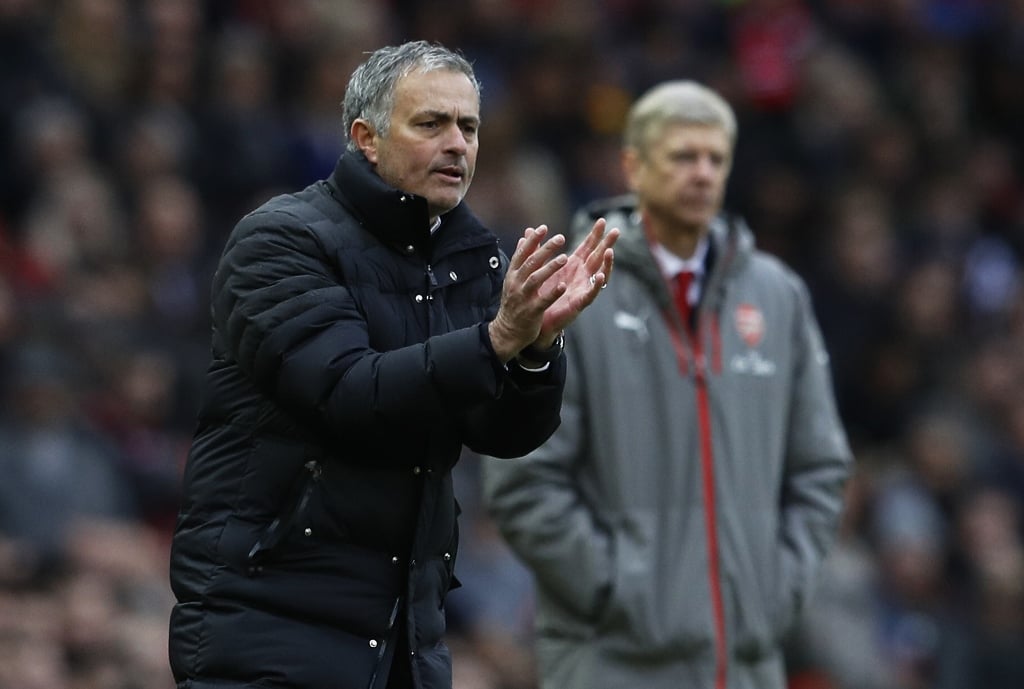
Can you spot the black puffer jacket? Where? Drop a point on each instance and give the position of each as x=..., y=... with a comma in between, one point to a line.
x=350, y=364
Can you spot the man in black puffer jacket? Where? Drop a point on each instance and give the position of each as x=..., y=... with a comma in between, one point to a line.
x=364, y=330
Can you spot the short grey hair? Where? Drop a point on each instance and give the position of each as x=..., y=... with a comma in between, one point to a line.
x=676, y=102
x=370, y=93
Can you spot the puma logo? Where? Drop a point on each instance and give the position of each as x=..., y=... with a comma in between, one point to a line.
x=629, y=321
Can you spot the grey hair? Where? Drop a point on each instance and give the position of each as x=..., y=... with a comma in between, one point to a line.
x=676, y=102
x=370, y=93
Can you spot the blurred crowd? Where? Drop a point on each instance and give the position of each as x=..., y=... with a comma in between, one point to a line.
x=881, y=153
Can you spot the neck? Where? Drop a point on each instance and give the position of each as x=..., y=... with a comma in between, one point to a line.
x=681, y=240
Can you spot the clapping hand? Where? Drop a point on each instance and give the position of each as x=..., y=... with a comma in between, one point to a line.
x=545, y=290
x=585, y=272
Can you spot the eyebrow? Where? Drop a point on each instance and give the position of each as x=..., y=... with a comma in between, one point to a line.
x=447, y=117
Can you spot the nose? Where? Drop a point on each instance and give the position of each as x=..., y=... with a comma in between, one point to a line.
x=706, y=167
x=455, y=140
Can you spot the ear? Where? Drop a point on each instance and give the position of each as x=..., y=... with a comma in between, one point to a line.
x=631, y=166
x=365, y=138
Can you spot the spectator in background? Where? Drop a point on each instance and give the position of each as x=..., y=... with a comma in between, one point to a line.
x=677, y=519
x=245, y=142
x=50, y=457
x=986, y=649
x=170, y=231
x=364, y=330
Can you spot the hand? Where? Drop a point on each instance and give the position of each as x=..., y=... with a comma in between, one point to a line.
x=528, y=291
x=584, y=274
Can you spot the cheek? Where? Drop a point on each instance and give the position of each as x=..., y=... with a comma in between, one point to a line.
x=418, y=162
x=471, y=164
x=667, y=185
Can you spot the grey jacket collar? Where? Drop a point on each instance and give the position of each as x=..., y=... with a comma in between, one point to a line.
x=732, y=242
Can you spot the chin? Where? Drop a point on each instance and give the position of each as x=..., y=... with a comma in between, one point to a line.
x=701, y=219
x=442, y=206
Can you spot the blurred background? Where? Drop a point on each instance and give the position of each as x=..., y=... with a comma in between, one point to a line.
x=880, y=153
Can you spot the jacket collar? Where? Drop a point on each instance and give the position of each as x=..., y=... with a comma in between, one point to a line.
x=394, y=216
x=730, y=244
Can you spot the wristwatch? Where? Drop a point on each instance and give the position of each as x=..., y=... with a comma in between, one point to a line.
x=535, y=355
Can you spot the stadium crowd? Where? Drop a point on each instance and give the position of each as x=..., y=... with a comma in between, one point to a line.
x=880, y=153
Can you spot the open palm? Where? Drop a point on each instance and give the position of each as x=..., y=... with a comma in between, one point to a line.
x=584, y=274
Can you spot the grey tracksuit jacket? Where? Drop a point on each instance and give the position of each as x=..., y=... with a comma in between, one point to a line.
x=677, y=518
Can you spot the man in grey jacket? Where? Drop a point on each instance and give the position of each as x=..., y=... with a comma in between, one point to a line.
x=677, y=519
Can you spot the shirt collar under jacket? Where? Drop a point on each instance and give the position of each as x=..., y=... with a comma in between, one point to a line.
x=671, y=264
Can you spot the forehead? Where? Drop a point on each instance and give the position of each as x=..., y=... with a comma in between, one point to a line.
x=438, y=90
x=676, y=135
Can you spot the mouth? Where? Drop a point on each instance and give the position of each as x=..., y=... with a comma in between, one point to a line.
x=700, y=201
x=452, y=173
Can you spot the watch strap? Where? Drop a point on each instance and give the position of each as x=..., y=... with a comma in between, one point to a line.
x=536, y=355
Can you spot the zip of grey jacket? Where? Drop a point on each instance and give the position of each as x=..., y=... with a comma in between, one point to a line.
x=676, y=520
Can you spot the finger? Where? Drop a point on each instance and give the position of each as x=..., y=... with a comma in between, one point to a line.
x=546, y=300
x=601, y=277
x=599, y=280
x=596, y=259
x=541, y=275
x=518, y=256
x=609, y=264
x=527, y=244
x=611, y=237
x=592, y=239
x=607, y=241
x=543, y=255
x=598, y=283
x=552, y=246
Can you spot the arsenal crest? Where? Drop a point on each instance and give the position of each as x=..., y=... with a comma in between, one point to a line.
x=750, y=324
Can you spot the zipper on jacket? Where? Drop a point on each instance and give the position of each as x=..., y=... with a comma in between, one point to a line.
x=688, y=348
x=707, y=461
x=679, y=341
x=431, y=282
x=294, y=507
x=384, y=642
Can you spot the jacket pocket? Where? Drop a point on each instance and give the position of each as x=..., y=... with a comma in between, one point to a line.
x=339, y=585
x=246, y=544
x=763, y=610
x=295, y=508
x=659, y=604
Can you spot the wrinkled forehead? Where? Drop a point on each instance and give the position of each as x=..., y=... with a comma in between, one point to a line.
x=441, y=90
